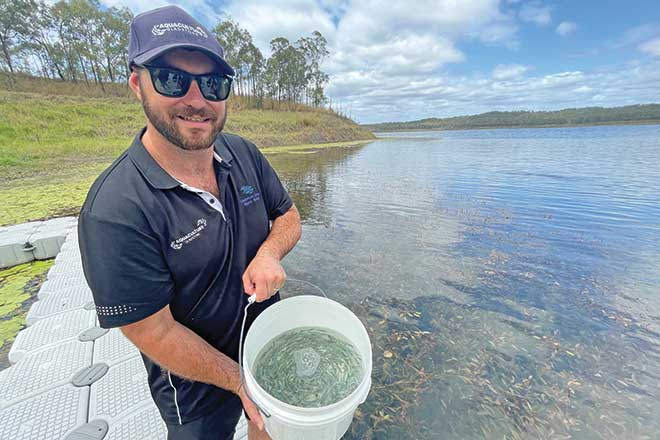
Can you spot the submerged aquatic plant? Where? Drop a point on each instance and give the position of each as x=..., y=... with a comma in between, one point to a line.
x=439, y=372
x=309, y=367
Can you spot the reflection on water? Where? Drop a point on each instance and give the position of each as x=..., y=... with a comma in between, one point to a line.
x=509, y=278
x=306, y=177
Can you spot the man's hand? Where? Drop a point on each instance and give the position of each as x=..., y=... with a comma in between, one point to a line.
x=250, y=408
x=263, y=276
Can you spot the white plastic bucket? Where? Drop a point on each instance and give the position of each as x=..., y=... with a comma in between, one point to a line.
x=288, y=422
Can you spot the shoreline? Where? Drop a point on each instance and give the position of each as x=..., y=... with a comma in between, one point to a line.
x=315, y=147
x=591, y=124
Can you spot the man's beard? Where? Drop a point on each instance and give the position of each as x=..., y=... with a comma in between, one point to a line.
x=165, y=124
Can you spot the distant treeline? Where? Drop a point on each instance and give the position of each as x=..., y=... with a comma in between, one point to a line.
x=567, y=117
x=83, y=41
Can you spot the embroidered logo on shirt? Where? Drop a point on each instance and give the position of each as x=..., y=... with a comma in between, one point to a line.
x=250, y=195
x=190, y=236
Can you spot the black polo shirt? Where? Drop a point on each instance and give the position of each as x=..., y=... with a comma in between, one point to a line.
x=147, y=241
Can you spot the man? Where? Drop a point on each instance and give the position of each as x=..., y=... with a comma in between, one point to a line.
x=182, y=227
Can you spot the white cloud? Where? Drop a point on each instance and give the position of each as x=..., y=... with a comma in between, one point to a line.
x=499, y=34
x=291, y=19
x=442, y=14
x=446, y=95
x=406, y=55
x=651, y=47
x=563, y=78
x=536, y=13
x=565, y=28
x=363, y=22
x=637, y=35
x=509, y=71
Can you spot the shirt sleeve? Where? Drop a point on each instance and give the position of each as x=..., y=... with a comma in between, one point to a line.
x=276, y=197
x=125, y=270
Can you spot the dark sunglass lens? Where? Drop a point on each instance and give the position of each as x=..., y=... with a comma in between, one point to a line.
x=214, y=87
x=170, y=82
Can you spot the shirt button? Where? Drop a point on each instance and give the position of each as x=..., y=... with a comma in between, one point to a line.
x=211, y=201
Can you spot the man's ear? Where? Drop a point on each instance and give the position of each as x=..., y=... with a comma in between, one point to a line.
x=134, y=84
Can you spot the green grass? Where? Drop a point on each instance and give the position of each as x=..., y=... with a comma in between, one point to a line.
x=35, y=129
x=269, y=128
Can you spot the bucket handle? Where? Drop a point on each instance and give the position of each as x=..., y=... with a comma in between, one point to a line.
x=251, y=301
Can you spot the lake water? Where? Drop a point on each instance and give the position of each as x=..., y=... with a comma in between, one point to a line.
x=509, y=279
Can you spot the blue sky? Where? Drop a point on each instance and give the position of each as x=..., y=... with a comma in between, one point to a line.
x=393, y=61
x=598, y=33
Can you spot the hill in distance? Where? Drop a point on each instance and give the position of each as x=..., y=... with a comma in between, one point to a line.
x=631, y=114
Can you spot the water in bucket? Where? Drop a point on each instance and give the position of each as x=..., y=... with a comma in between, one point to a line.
x=309, y=367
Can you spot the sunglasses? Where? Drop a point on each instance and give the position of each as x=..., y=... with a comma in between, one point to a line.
x=175, y=83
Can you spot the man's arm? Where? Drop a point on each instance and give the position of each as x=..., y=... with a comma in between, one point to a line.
x=183, y=352
x=283, y=236
x=265, y=275
x=177, y=348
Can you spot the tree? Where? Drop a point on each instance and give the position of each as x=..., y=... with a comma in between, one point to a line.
x=315, y=51
x=65, y=22
x=234, y=41
x=253, y=65
x=112, y=35
x=14, y=18
x=41, y=38
x=246, y=58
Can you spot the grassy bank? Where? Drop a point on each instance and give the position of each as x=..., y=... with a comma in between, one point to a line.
x=53, y=146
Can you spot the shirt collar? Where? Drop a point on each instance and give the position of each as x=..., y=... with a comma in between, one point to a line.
x=155, y=174
x=220, y=148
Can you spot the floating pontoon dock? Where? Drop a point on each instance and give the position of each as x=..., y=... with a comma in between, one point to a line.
x=69, y=378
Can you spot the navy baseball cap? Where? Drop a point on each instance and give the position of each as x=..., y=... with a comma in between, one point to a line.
x=155, y=32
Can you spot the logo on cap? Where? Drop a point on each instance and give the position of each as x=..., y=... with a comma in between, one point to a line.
x=160, y=29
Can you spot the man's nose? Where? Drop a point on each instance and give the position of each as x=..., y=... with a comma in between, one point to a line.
x=194, y=97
